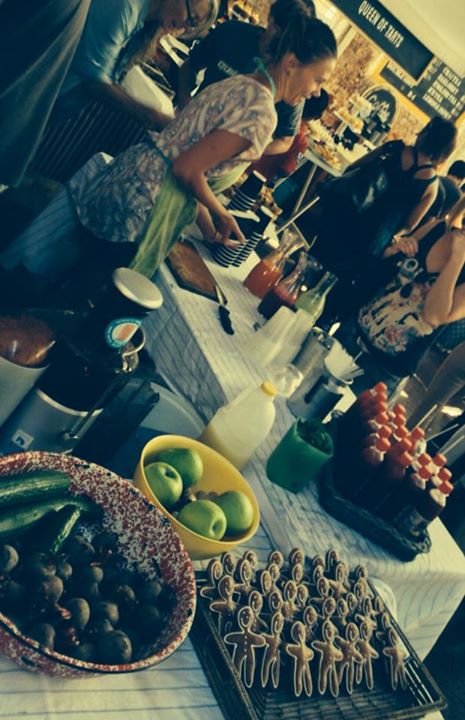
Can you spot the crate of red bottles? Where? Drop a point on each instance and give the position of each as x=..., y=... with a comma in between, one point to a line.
x=381, y=482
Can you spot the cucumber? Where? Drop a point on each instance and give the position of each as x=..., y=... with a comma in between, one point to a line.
x=18, y=520
x=21, y=489
x=52, y=530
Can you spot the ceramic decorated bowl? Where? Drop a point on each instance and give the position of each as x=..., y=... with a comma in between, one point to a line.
x=147, y=541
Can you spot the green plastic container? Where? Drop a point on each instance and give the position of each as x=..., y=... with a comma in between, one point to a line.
x=295, y=461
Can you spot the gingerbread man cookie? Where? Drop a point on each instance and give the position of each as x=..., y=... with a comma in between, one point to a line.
x=275, y=573
x=302, y=655
x=367, y=615
x=329, y=656
x=340, y=583
x=368, y=654
x=244, y=577
x=310, y=619
x=350, y=654
x=323, y=590
x=318, y=560
x=384, y=625
x=264, y=582
x=302, y=596
x=228, y=562
x=251, y=557
x=396, y=655
x=271, y=662
x=214, y=575
x=255, y=601
x=342, y=610
x=297, y=573
x=296, y=557
x=274, y=602
x=290, y=597
x=332, y=559
x=225, y=607
x=276, y=558
x=245, y=642
x=352, y=603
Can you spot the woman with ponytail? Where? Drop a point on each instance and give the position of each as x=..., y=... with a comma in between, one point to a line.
x=150, y=193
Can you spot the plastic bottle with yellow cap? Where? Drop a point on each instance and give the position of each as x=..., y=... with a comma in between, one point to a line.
x=238, y=429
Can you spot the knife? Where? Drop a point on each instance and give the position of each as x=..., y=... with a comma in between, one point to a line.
x=223, y=312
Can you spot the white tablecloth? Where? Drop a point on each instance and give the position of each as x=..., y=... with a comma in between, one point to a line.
x=209, y=367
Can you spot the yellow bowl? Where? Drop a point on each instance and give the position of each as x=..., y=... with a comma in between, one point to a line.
x=219, y=475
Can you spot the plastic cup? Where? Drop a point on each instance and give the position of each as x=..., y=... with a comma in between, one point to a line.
x=268, y=341
x=295, y=462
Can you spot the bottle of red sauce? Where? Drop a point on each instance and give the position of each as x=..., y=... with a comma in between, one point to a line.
x=414, y=485
x=388, y=479
x=427, y=508
x=365, y=467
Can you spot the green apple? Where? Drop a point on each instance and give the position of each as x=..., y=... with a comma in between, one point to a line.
x=238, y=510
x=187, y=462
x=205, y=518
x=165, y=482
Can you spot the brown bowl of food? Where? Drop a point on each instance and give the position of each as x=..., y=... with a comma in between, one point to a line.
x=93, y=578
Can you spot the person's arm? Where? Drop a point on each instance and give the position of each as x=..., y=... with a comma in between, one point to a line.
x=419, y=211
x=279, y=145
x=289, y=122
x=408, y=245
x=108, y=29
x=147, y=115
x=445, y=302
x=190, y=169
x=206, y=225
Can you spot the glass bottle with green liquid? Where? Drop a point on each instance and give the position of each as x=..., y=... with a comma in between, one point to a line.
x=313, y=301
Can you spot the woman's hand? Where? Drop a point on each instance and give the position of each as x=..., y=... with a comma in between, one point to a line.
x=226, y=225
x=406, y=245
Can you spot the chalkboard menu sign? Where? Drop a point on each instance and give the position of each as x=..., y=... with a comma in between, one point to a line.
x=388, y=33
x=440, y=91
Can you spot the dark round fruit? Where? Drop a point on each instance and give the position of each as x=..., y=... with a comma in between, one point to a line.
x=80, y=551
x=149, y=621
x=43, y=633
x=84, y=652
x=64, y=570
x=48, y=591
x=91, y=574
x=99, y=626
x=67, y=638
x=125, y=598
x=90, y=591
x=114, y=648
x=9, y=558
x=107, y=611
x=149, y=591
x=13, y=595
x=38, y=566
x=80, y=612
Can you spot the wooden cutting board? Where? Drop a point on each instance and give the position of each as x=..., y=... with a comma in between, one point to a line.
x=190, y=270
